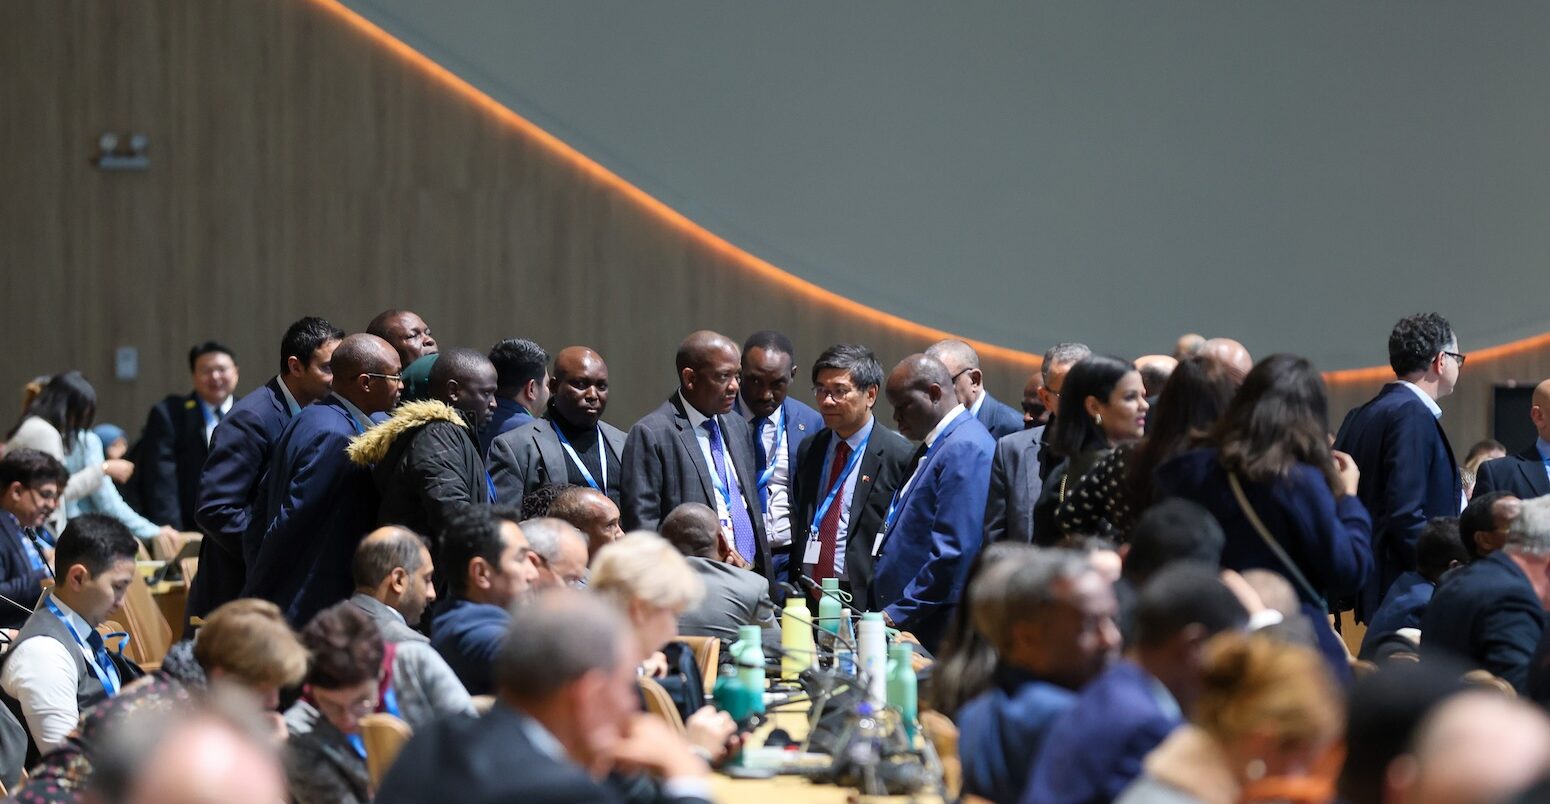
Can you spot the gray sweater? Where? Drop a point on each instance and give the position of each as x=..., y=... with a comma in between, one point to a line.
x=426, y=687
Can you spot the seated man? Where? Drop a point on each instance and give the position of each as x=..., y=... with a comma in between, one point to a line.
x=561, y=551
x=1491, y=614
x=1484, y=522
x=1437, y=550
x=567, y=709
x=592, y=513
x=30, y=484
x=1094, y=750
x=734, y=597
x=392, y=569
x=58, y=664
x=1050, y=617
x=489, y=567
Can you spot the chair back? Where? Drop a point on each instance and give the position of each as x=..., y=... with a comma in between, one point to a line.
x=149, y=635
x=384, y=736
x=707, y=654
x=659, y=703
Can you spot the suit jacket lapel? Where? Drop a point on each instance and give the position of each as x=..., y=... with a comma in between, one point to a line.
x=691, y=445
x=865, y=480
x=550, y=454
x=1533, y=468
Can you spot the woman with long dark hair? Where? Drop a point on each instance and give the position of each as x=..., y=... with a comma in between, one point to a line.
x=1286, y=502
x=54, y=423
x=1102, y=405
x=1109, y=498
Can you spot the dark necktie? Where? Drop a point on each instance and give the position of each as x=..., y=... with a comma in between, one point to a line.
x=104, y=659
x=829, y=528
x=742, y=527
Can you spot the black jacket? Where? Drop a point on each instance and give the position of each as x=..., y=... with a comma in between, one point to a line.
x=426, y=465
x=168, y=459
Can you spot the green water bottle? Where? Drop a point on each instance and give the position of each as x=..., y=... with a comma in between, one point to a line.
x=748, y=654
x=902, y=692
x=829, y=606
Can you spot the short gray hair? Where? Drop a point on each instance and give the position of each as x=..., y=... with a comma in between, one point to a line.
x=1019, y=588
x=1063, y=354
x=545, y=534
x=1529, y=534
x=555, y=639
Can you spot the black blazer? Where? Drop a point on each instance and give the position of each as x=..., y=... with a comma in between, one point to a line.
x=168, y=461
x=662, y=467
x=1486, y=614
x=882, y=470
x=18, y=580
x=1521, y=475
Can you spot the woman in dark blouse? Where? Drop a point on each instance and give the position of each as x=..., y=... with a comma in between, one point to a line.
x=1102, y=404
x=1108, y=499
x=1274, y=441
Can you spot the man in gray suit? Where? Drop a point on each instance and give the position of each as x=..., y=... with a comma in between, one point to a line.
x=1016, y=476
x=689, y=450
x=571, y=444
x=733, y=597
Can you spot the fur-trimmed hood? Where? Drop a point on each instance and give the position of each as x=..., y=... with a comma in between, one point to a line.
x=372, y=446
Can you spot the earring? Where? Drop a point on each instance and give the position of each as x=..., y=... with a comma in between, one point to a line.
x=1098, y=419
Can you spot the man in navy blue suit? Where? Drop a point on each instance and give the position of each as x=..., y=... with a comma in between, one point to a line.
x=934, y=526
x=30, y=485
x=316, y=505
x=1491, y=614
x=1525, y=474
x=240, y=449
x=1408, y=473
x=963, y=366
x=779, y=425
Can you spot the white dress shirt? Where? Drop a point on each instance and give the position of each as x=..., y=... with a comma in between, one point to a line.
x=846, y=496
x=697, y=423
x=43, y=676
x=211, y=420
x=777, y=521
x=290, y=400
x=931, y=437
x=356, y=413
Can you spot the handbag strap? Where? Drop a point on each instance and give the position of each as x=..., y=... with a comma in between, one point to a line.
x=1270, y=541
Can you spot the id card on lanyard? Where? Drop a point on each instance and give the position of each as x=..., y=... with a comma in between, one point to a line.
x=768, y=471
x=899, y=496
x=724, y=494
x=576, y=459
x=107, y=676
x=810, y=554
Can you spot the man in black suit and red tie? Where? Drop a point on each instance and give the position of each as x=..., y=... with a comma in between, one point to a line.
x=846, y=473
x=1526, y=474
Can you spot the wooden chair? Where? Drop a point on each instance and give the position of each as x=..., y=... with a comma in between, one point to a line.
x=189, y=567
x=1485, y=679
x=659, y=703
x=149, y=635
x=707, y=654
x=943, y=734
x=384, y=736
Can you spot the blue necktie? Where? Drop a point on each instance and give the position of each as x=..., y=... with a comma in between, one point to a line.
x=761, y=458
x=104, y=660
x=742, y=527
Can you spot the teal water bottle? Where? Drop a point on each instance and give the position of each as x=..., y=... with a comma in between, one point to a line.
x=902, y=692
x=829, y=606
x=748, y=653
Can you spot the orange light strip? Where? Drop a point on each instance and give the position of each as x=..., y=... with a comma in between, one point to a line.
x=747, y=261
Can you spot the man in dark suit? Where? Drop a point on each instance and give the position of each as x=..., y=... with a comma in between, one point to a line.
x=410, y=336
x=1034, y=412
x=173, y=446
x=240, y=449
x=30, y=484
x=690, y=450
x=936, y=520
x=848, y=379
x=566, y=704
x=316, y=504
x=1491, y=613
x=1527, y=474
x=734, y=597
x=1014, y=487
x=1408, y=474
x=522, y=387
x=780, y=424
x=1058, y=360
x=571, y=444
x=963, y=365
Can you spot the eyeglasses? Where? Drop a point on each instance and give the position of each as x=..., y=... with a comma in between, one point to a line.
x=49, y=496
x=543, y=563
x=1456, y=356
x=961, y=372
x=836, y=392
x=398, y=378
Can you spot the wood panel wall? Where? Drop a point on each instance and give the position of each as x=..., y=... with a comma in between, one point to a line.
x=300, y=167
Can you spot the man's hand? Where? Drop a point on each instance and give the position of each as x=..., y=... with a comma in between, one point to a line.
x=118, y=469
x=711, y=730
x=652, y=746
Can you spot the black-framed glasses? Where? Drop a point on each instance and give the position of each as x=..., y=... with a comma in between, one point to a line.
x=50, y=496
x=962, y=372
x=398, y=378
x=1456, y=356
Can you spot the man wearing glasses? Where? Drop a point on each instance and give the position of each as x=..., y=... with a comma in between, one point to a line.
x=315, y=505
x=29, y=492
x=1408, y=473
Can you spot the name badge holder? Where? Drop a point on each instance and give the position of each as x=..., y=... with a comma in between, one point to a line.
x=810, y=554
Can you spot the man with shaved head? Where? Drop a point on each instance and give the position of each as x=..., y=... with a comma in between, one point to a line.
x=410, y=336
x=1231, y=354
x=425, y=459
x=963, y=365
x=1526, y=474
x=690, y=450
x=315, y=504
x=1188, y=345
x=934, y=526
x=734, y=596
x=571, y=444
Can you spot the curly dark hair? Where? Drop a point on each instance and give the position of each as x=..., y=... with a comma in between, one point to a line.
x=346, y=647
x=536, y=503
x=1416, y=340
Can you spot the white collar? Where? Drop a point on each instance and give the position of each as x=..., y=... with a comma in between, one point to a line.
x=1431, y=404
x=360, y=415
x=979, y=402
x=224, y=407
x=696, y=418
x=81, y=626
x=290, y=399
x=542, y=738
x=936, y=431
x=861, y=435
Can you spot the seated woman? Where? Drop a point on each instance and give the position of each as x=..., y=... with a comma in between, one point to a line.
x=652, y=584
x=1102, y=405
x=325, y=758
x=53, y=423
x=244, y=647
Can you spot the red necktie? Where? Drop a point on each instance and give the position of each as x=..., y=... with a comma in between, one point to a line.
x=829, y=528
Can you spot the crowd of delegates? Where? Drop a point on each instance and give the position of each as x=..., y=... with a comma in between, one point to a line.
x=1129, y=587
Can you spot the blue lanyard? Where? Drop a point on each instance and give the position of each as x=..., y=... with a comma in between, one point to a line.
x=895, y=503
x=107, y=675
x=839, y=483
x=774, y=456
x=602, y=458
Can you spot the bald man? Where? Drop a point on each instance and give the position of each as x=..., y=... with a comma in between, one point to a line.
x=734, y=596
x=201, y=757
x=410, y=336
x=934, y=528
x=1475, y=748
x=1231, y=355
x=690, y=450
x=571, y=444
x=1524, y=475
x=1188, y=345
x=425, y=460
x=316, y=504
x=963, y=365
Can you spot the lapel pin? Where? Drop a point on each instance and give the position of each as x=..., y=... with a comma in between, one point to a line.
x=866, y=478
x=801, y=426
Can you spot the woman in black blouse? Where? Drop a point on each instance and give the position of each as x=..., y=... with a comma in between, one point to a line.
x=1102, y=404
